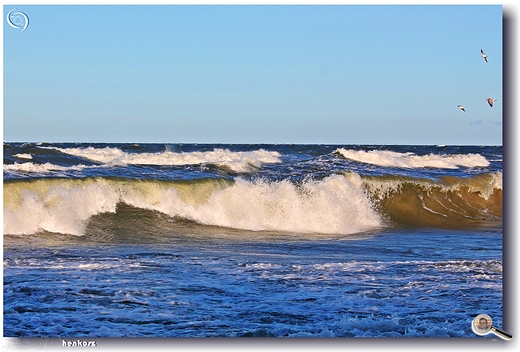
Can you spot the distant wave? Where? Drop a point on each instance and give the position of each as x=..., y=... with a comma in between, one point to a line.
x=338, y=204
x=236, y=161
x=31, y=167
x=23, y=156
x=388, y=158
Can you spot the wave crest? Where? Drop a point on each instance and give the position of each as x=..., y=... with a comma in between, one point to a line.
x=387, y=158
x=31, y=167
x=338, y=204
x=332, y=205
x=450, y=202
x=236, y=161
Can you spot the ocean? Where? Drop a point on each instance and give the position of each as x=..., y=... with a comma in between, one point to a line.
x=217, y=240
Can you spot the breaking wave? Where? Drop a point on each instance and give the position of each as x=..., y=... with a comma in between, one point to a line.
x=449, y=202
x=237, y=161
x=389, y=158
x=339, y=204
x=31, y=167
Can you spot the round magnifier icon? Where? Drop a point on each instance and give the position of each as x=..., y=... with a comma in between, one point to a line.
x=483, y=324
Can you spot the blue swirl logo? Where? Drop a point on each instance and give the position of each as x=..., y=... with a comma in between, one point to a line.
x=18, y=20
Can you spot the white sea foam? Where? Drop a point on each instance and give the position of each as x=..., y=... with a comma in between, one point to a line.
x=23, y=156
x=237, y=161
x=54, y=206
x=333, y=205
x=31, y=167
x=409, y=160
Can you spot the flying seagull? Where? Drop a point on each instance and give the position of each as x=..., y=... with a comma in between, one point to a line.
x=490, y=101
x=484, y=56
x=462, y=108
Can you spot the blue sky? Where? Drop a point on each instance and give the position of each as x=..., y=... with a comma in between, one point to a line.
x=338, y=74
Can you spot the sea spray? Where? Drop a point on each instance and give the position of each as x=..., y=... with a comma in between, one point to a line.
x=331, y=205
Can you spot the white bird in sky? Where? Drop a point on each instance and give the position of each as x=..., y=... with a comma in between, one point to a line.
x=462, y=108
x=484, y=56
x=490, y=101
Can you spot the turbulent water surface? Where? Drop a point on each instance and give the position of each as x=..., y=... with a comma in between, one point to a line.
x=169, y=240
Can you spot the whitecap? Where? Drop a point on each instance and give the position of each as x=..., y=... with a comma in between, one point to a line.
x=387, y=158
x=236, y=161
